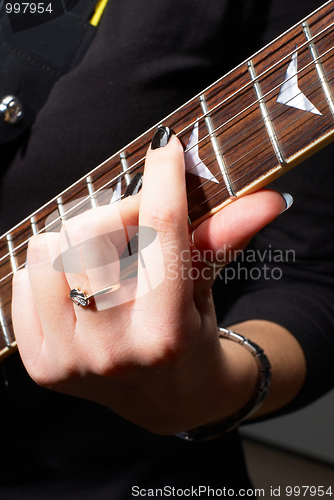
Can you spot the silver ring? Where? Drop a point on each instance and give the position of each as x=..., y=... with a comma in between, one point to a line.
x=82, y=299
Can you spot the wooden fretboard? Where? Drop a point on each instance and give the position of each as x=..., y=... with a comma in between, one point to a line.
x=245, y=139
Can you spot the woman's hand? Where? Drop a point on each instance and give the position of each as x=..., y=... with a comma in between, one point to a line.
x=149, y=350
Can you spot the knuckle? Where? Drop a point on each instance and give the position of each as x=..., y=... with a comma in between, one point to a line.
x=163, y=221
x=38, y=249
x=51, y=371
x=109, y=363
x=162, y=351
x=76, y=229
x=40, y=374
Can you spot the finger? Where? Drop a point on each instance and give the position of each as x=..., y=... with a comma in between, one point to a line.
x=91, y=246
x=220, y=238
x=50, y=289
x=27, y=326
x=164, y=209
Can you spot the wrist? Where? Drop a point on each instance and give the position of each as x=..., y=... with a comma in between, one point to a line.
x=257, y=389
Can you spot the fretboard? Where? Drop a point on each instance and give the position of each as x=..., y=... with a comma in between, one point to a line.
x=242, y=132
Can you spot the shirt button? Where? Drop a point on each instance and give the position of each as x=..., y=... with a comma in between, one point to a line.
x=11, y=109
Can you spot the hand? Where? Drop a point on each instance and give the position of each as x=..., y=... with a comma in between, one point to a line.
x=153, y=356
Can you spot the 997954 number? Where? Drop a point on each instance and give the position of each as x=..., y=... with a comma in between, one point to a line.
x=318, y=491
x=29, y=8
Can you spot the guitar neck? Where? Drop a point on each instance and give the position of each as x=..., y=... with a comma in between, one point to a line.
x=251, y=126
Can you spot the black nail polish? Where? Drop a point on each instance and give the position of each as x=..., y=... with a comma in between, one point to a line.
x=135, y=185
x=161, y=137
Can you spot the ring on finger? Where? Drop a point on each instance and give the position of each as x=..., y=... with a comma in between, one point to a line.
x=82, y=299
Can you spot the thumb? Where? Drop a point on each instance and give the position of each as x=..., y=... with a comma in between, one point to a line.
x=221, y=238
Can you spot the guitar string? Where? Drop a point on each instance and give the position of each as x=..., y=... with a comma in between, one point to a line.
x=87, y=199
x=260, y=75
x=274, y=114
x=248, y=171
x=9, y=295
x=250, y=83
x=257, y=165
x=201, y=118
x=255, y=103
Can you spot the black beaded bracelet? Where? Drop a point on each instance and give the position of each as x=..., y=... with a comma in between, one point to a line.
x=216, y=429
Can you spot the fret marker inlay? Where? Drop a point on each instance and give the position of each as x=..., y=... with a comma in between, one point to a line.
x=193, y=163
x=117, y=194
x=290, y=94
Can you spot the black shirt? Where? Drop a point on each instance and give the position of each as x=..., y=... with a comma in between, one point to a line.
x=146, y=59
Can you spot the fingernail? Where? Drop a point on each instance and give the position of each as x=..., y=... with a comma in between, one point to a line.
x=288, y=201
x=161, y=137
x=135, y=185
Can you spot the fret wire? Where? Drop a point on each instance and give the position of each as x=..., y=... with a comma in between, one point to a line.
x=5, y=332
x=11, y=253
x=4, y=303
x=17, y=267
x=33, y=225
x=61, y=210
x=10, y=338
x=247, y=85
x=265, y=114
x=19, y=246
x=233, y=95
x=275, y=112
x=216, y=194
x=217, y=148
x=125, y=167
x=262, y=74
x=238, y=158
x=281, y=130
x=137, y=163
x=224, y=124
x=242, y=88
x=220, y=104
x=319, y=67
x=256, y=102
x=84, y=200
x=248, y=171
x=91, y=191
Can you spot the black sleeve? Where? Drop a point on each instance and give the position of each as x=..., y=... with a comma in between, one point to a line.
x=286, y=275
